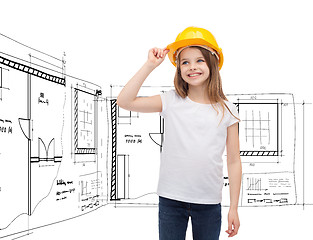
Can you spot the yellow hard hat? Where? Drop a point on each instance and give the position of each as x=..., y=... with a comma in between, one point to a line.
x=194, y=36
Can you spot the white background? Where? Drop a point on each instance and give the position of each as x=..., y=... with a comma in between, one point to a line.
x=267, y=46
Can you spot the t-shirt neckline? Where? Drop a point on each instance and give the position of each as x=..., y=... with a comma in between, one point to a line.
x=207, y=104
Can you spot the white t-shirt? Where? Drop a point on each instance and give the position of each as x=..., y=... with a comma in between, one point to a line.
x=191, y=167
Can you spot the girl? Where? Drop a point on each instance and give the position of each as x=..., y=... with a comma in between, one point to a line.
x=199, y=122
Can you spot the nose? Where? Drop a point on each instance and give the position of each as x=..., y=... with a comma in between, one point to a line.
x=192, y=66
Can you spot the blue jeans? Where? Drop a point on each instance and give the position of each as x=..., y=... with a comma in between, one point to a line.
x=174, y=215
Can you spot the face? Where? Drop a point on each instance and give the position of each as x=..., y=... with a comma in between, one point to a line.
x=194, y=69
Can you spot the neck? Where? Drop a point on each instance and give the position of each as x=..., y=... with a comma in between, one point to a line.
x=198, y=94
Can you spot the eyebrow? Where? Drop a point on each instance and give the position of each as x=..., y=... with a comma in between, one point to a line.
x=188, y=58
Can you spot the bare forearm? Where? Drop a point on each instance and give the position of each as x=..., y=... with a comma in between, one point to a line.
x=129, y=93
x=131, y=89
x=234, y=176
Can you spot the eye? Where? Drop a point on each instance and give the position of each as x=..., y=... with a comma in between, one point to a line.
x=200, y=60
x=184, y=62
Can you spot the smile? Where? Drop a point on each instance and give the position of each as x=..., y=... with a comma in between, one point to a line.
x=194, y=74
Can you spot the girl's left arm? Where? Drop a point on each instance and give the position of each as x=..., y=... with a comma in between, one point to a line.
x=234, y=177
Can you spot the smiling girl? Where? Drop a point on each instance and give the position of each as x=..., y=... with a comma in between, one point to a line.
x=199, y=123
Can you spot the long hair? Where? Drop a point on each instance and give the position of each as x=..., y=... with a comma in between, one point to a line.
x=213, y=83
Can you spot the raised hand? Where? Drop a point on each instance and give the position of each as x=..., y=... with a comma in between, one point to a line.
x=156, y=56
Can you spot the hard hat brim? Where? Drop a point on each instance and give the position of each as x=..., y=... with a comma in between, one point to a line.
x=173, y=47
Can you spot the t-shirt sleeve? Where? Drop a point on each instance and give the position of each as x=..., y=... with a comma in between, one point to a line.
x=232, y=120
x=167, y=98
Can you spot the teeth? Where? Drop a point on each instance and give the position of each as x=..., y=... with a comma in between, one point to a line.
x=193, y=75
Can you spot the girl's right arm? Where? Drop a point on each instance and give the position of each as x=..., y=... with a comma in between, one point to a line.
x=128, y=99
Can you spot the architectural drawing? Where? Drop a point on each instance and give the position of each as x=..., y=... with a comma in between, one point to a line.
x=129, y=134
x=67, y=150
x=52, y=157
x=267, y=133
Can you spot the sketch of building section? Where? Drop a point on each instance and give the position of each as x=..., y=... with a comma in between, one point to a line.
x=85, y=122
x=21, y=91
x=265, y=121
x=87, y=148
x=79, y=187
x=40, y=180
x=35, y=129
x=136, y=141
x=261, y=129
x=267, y=138
x=267, y=134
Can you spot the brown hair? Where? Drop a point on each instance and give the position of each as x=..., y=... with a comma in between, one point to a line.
x=214, y=81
